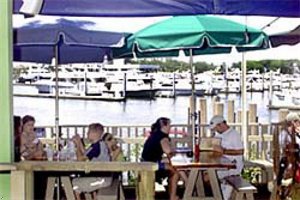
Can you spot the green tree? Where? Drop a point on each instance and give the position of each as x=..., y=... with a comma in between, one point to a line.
x=169, y=65
x=255, y=65
x=285, y=66
x=203, y=66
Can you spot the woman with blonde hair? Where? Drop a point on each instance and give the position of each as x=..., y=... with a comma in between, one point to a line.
x=31, y=147
x=115, y=150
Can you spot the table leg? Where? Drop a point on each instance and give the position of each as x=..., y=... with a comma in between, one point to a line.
x=50, y=188
x=188, y=192
x=200, y=185
x=68, y=187
x=146, y=187
x=22, y=185
x=215, y=185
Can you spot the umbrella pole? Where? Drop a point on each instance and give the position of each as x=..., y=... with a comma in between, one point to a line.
x=244, y=105
x=56, y=99
x=193, y=109
x=56, y=110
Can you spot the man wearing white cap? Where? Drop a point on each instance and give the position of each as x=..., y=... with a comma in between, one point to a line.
x=291, y=125
x=231, y=147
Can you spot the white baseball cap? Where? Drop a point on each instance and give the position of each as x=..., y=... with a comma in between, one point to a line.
x=292, y=116
x=215, y=120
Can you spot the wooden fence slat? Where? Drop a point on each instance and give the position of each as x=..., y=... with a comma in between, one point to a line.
x=262, y=140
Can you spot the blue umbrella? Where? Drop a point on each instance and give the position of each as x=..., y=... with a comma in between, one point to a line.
x=35, y=42
x=65, y=40
x=114, y=8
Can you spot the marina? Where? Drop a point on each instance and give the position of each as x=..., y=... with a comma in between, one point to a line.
x=126, y=121
x=98, y=71
x=118, y=81
x=130, y=118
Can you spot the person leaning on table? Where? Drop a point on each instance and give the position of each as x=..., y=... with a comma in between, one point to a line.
x=231, y=147
x=98, y=151
x=157, y=144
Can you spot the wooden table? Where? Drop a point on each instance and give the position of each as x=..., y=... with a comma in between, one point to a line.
x=208, y=163
x=23, y=177
x=6, y=167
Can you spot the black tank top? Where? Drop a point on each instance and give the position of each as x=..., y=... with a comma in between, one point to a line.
x=152, y=148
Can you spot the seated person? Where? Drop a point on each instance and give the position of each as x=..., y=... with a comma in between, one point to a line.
x=115, y=150
x=17, y=137
x=157, y=144
x=231, y=147
x=288, y=173
x=31, y=147
x=291, y=126
x=98, y=151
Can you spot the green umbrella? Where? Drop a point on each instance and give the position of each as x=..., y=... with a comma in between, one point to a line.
x=195, y=35
x=201, y=33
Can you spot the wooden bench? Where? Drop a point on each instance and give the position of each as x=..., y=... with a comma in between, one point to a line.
x=242, y=189
x=114, y=192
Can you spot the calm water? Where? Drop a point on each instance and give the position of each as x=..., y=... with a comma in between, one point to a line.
x=131, y=112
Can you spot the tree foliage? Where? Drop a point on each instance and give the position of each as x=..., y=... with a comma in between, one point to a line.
x=169, y=65
x=285, y=66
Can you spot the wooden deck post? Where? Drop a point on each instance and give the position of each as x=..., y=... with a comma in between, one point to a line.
x=213, y=104
x=252, y=130
x=230, y=111
x=239, y=120
x=219, y=108
x=252, y=118
x=203, y=115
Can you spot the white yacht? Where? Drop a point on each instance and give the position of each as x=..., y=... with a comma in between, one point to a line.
x=274, y=79
x=81, y=85
x=254, y=81
x=175, y=84
x=289, y=95
x=136, y=83
x=33, y=72
x=219, y=83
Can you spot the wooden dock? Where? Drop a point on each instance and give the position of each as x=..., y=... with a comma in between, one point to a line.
x=63, y=96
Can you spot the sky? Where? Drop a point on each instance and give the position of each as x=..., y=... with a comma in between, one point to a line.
x=134, y=24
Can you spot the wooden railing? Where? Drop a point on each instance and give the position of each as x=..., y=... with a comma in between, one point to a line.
x=260, y=137
x=131, y=137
